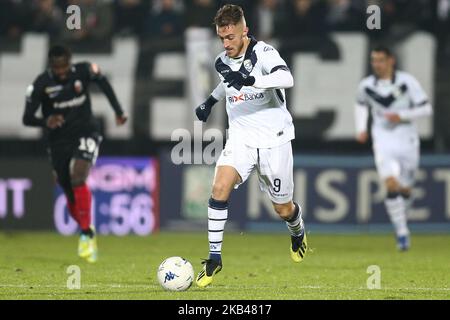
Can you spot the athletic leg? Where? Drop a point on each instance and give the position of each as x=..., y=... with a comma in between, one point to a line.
x=224, y=181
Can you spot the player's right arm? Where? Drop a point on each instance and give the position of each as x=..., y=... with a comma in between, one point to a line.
x=203, y=110
x=361, y=116
x=34, y=96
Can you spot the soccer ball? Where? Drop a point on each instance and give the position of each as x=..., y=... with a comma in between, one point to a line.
x=175, y=274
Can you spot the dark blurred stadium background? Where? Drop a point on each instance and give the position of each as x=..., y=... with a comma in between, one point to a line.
x=159, y=58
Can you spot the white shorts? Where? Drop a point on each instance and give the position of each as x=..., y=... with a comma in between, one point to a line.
x=398, y=158
x=274, y=167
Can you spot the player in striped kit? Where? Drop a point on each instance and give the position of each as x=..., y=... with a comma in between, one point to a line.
x=253, y=78
x=395, y=100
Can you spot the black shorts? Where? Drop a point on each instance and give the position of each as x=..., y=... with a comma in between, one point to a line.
x=61, y=153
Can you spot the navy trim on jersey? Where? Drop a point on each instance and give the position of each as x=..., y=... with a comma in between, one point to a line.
x=280, y=95
x=250, y=54
x=361, y=102
x=222, y=68
x=423, y=103
x=253, y=59
x=250, y=47
x=385, y=101
x=278, y=91
x=281, y=67
x=257, y=160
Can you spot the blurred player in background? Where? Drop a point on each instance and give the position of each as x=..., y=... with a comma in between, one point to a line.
x=396, y=100
x=253, y=78
x=62, y=92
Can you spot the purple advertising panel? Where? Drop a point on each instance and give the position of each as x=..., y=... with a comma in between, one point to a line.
x=125, y=197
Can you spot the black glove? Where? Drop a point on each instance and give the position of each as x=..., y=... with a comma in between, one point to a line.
x=237, y=79
x=203, y=110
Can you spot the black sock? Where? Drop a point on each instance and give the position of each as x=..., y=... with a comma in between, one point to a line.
x=88, y=232
x=405, y=195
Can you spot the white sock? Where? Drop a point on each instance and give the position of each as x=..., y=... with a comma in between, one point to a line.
x=408, y=203
x=396, y=208
x=217, y=217
x=295, y=224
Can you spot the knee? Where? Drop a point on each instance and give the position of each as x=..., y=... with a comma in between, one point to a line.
x=284, y=210
x=406, y=192
x=392, y=185
x=221, y=191
x=77, y=179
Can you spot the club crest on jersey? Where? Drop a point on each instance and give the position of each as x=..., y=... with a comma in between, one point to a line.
x=396, y=92
x=248, y=65
x=78, y=86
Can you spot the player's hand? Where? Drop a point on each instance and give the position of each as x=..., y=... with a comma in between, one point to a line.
x=237, y=79
x=362, y=137
x=120, y=120
x=392, y=117
x=203, y=111
x=55, y=121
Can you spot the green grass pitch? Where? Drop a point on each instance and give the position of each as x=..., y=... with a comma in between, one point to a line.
x=256, y=266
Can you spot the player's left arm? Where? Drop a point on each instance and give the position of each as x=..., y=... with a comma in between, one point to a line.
x=103, y=83
x=421, y=107
x=34, y=96
x=277, y=74
x=278, y=78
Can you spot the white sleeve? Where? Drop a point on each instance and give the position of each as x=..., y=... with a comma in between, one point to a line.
x=361, y=110
x=276, y=74
x=280, y=79
x=270, y=59
x=361, y=96
x=416, y=112
x=219, y=92
x=416, y=93
x=420, y=104
x=361, y=117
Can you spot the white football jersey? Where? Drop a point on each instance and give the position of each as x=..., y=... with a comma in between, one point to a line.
x=402, y=95
x=257, y=114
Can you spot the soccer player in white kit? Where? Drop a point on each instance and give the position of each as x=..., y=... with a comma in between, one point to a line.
x=395, y=99
x=253, y=78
